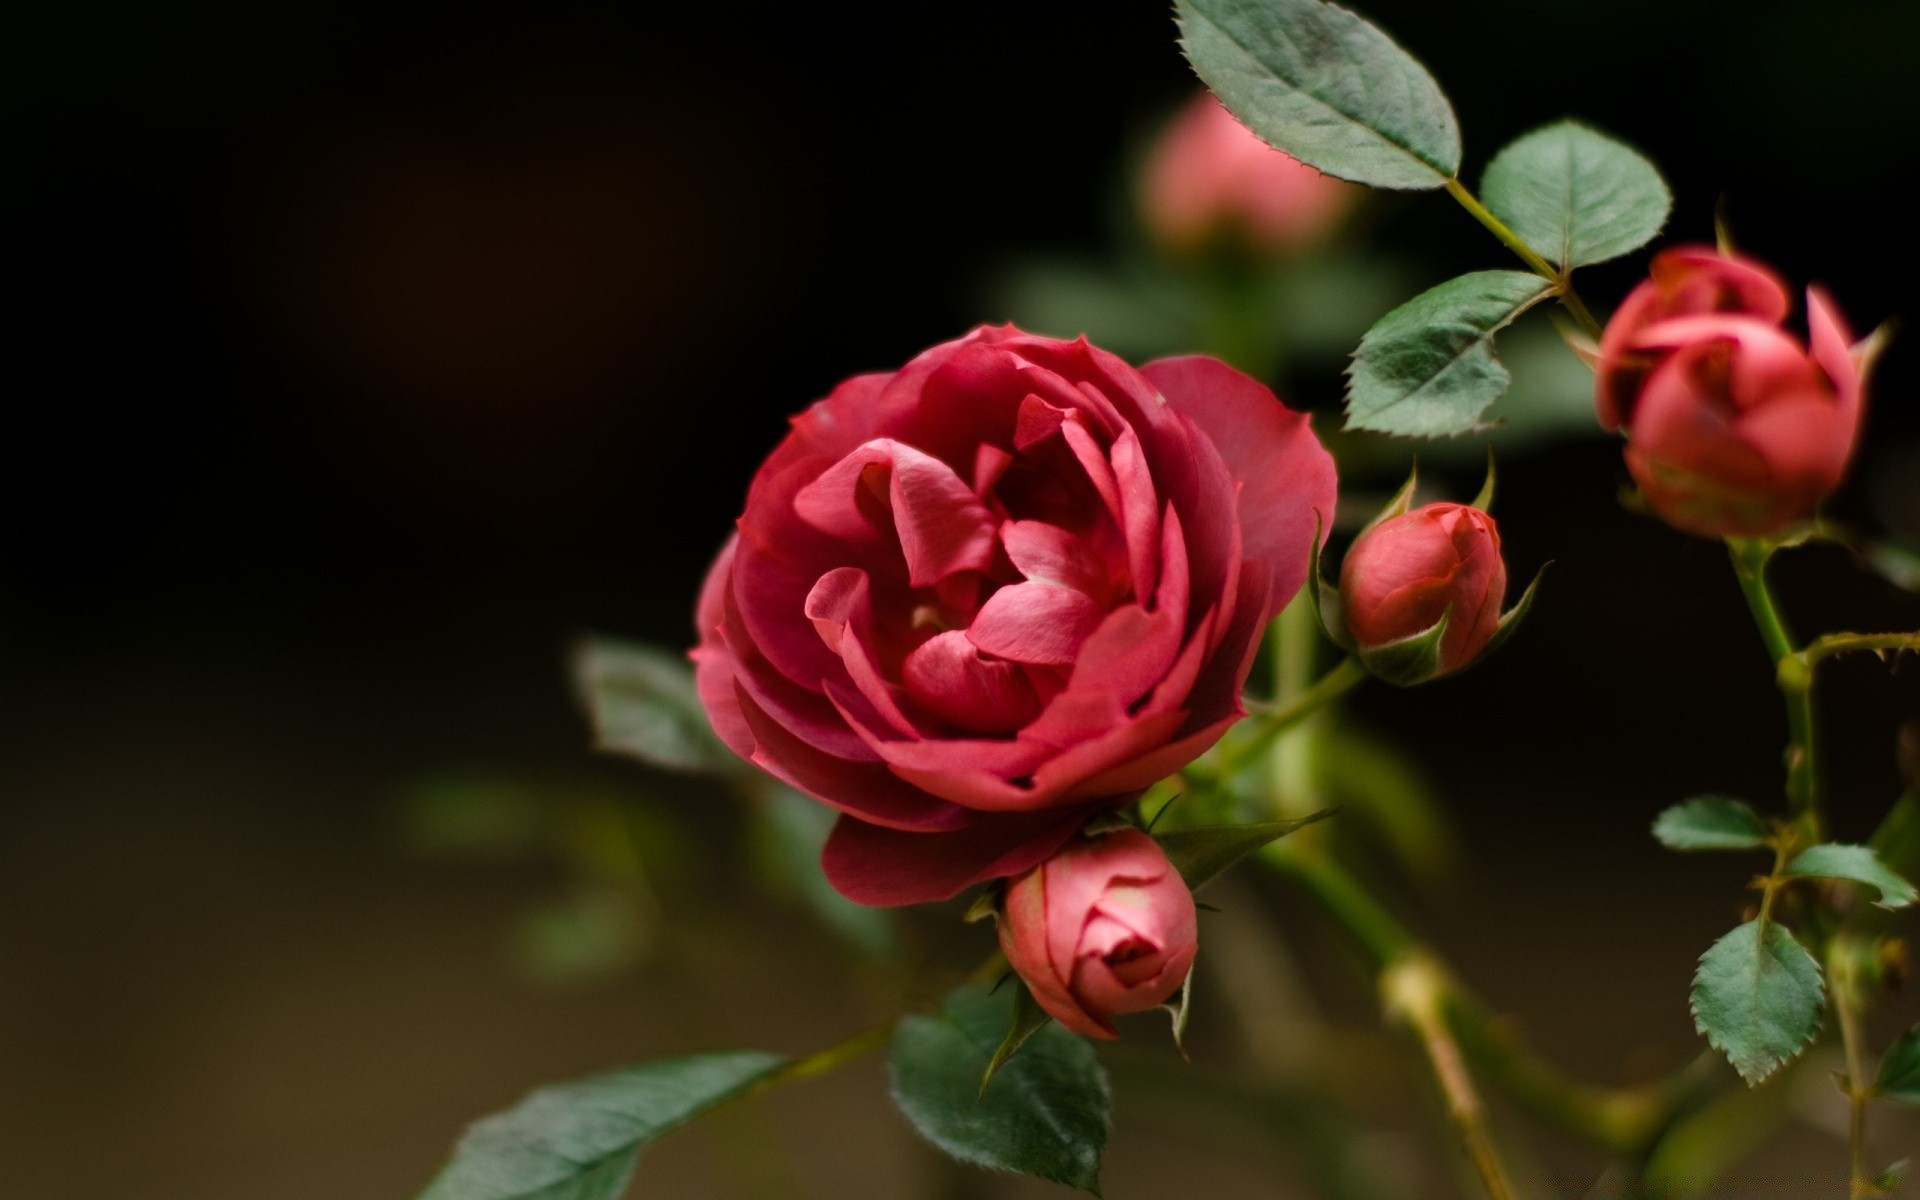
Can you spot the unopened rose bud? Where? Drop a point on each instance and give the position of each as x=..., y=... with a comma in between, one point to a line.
x=1210, y=179
x=1734, y=426
x=1406, y=574
x=1103, y=928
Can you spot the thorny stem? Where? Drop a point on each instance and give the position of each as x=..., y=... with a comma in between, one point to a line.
x=1841, y=968
x=1626, y=1121
x=1414, y=989
x=1562, y=280
x=1794, y=674
x=1822, y=648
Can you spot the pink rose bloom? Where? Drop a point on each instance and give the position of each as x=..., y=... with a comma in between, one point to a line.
x=1735, y=428
x=1401, y=576
x=975, y=600
x=1210, y=177
x=1104, y=927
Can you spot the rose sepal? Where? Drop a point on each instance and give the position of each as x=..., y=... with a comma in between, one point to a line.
x=1510, y=620
x=1411, y=661
x=1323, y=597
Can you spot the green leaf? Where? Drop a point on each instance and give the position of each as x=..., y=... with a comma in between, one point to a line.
x=1028, y=1019
x=1758, y=997
x=642, y=702
x=1044, y=1113
x=1710, y=823
x=1900, y=1070
x=1427, y=368
x=1326, y=87
x=1576, y=196
x=580, y=1140
x=1858, y=864
x=1201, y=855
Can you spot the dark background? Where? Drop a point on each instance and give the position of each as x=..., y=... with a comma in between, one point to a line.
x=361, y=357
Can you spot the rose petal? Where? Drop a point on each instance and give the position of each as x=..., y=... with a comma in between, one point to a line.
x=884, y=867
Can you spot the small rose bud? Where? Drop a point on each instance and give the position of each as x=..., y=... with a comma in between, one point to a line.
x=1210, y=179
x=1734, y=426
x=1104, y=927
x=1407, y=573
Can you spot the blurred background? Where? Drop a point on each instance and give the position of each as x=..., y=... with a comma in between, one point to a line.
x=366, y=356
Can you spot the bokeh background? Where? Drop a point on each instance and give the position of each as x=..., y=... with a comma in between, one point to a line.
x=364, y=356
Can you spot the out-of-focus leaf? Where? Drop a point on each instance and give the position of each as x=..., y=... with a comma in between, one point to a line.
x=479, y=818
x=1201, y=855
x=643, y=704
x=1575, y=195
x=1326, y=87
x=1427, y=369
x=1371, y=779
x=580, y=1141
x=1693, y=1157
x=1900, y=1070
x=1710, y=823
x=1044, y=1113
x=1857, y=864
x=595, y=935
x=792, y=829
x=1758, y=997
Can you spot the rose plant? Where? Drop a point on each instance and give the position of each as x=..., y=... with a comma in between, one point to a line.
x=999, y=610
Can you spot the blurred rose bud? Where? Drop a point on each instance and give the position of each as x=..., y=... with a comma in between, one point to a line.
x=1734, y=427
x=1406, y=574
x=1104, y=927
x=1209, y=178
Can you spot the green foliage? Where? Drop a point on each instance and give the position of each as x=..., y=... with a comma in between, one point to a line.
x=1372, y=778
x=1044, y=1113
x=1202, y=855
x=791, y=831
x=1758, y=997
x=580, y=1140
x=1900, y=1070
x=455, y=816
x=1710, y=823
x=1857, y=864
x=1576, y=196
x=1427, y=368
x=642, y=702
x=1326, y=87
x=595, y=934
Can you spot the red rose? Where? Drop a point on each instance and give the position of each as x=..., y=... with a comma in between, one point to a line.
x=1404, y=574
x=975, y=600
x=1734, y=427
x=1103, y=928
x=1210, y=177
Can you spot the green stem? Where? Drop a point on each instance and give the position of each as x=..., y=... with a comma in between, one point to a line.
x=1295, y=641
x=1272, y=723
x=1415, y=989
x=1569, y=298
x=836, y=1055
x=1793, y=674
x=1844, y=990
x=1822, y=648
x=1625, y=1121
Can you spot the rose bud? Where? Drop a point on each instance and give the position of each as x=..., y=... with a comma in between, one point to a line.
x=1209, y=179
x=976, y=600
x=1104, y=927
x=1414, y=570
x=1734, y=427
